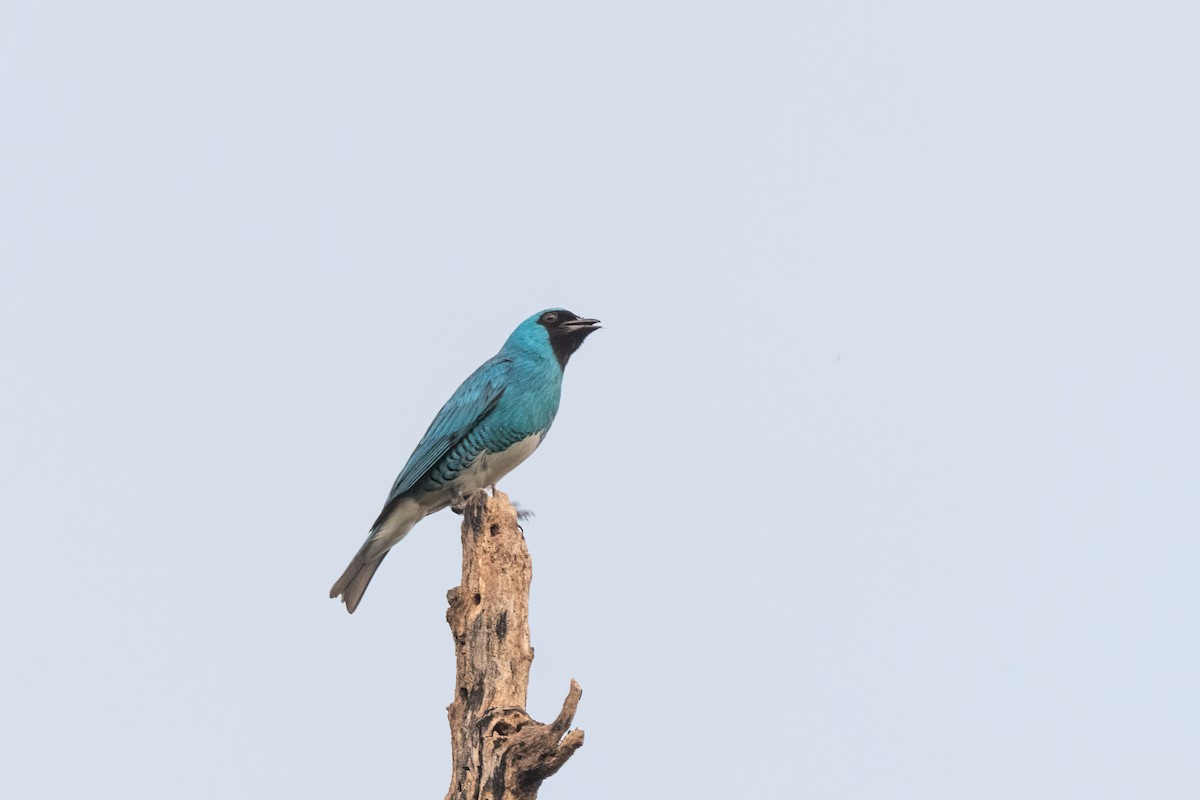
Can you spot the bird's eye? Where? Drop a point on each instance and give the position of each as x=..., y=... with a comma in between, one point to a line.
x=550, y=318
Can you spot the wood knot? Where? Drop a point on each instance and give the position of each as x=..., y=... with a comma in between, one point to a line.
x=500, y=723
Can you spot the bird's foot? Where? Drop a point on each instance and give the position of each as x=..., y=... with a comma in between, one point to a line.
x=523, y=513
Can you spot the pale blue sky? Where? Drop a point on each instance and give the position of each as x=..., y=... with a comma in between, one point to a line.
x=880, y=481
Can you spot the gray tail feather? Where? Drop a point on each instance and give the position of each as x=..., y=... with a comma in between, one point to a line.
x=354, y=581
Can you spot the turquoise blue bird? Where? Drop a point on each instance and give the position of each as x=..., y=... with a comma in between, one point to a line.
x=492, y=422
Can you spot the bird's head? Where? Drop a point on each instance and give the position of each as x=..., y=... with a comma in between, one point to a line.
x=556, y=329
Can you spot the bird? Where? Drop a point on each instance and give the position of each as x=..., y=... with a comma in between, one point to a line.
x=492, y=423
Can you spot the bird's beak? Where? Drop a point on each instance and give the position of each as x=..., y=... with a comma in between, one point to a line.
x=580, y=325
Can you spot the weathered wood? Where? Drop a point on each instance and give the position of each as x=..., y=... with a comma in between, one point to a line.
x=499, y=752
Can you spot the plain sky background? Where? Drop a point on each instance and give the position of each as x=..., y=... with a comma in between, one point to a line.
x=880, y=481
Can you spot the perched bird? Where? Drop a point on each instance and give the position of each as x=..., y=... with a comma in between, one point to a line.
x=492, y=423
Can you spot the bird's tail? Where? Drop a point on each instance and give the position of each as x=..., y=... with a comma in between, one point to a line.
x=354, y=581
x=357, y=576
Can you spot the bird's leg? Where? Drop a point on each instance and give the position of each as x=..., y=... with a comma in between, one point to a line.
x=522, y=513
x=459, y=501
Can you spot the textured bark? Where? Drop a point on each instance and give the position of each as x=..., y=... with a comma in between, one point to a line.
x=499, y=751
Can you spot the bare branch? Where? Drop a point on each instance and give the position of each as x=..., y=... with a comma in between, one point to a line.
x=498, y=750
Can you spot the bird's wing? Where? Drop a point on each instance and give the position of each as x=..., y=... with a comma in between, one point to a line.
x=470, y=403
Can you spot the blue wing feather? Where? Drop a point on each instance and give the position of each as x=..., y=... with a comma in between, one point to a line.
x=469, y=404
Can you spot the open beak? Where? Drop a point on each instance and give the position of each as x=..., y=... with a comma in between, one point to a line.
x=581, y=324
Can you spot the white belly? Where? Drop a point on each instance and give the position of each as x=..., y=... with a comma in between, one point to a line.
x=485, y=470
x=491, y=467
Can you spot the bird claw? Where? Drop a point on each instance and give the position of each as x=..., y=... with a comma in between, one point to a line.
x=459, y=504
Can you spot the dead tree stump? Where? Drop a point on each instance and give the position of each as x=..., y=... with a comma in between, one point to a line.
x=499, y=752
